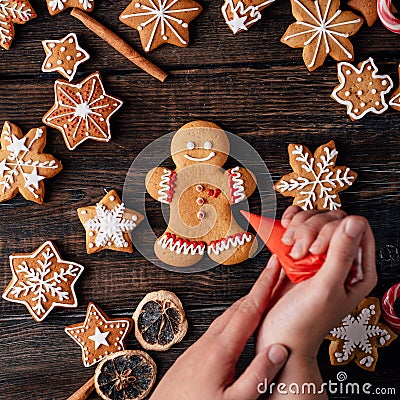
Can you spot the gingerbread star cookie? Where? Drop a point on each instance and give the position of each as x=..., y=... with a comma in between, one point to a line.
x=13, y=12
x=316, y=180
x=42, y=280
x=361, y=89
x=240, y=15
x=23, y=166
x=161, y=22
x=57, y=6
x=99, y=335
x=64, y=56
x=108, y=224
x=394, y=101
x=359, y=336
x=367, y=8
x=322, y=29
x=82, y=111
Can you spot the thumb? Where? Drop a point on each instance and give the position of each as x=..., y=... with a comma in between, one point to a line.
x=262, y=370
x=343, y=249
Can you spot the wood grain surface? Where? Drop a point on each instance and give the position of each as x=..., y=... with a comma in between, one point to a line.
x=250, y=84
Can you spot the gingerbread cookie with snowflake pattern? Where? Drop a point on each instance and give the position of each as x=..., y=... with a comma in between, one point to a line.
x=57, y=6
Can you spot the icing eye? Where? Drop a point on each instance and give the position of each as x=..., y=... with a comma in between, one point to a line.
x=190, y=145
x=207, y=145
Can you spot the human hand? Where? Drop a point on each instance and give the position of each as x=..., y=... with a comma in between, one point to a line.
x=206, y=370
x=302, y=314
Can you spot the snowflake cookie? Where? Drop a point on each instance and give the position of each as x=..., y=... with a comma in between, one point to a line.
x=316, y=180
x=161, y=21
x=13, y=12
x=23, y=166
x=42, y=280
x=322, y=29
x=64, y=56
x=98, y=336
x=57, y=6
x=361, y=89
x=241, y=14
x=82, y=111
x=359, y=335
x=108, y=224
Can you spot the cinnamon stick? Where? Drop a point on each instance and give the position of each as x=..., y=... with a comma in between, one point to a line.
x=119, y=44
x=83, y=392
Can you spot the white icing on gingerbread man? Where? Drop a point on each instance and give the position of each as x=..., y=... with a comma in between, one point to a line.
x=200, y=194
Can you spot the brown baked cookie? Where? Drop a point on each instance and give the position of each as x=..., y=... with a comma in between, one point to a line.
x=160, y=321
x=322, y=29
x=126, y=375
x=108, y=224
x=42, y=280
x=23, y=165
x=13, y=12
x=99, y=335
x=200, y=194
x=161, y=22
x=316, y=180
x=359, y=335
x=367, y=8
x=394, y=101
x=57, y=6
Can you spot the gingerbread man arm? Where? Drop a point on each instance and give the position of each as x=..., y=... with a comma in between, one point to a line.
x=160, y=184
x=242, y=184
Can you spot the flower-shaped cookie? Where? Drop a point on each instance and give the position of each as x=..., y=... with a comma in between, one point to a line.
x=322, y=29
x=361, y=89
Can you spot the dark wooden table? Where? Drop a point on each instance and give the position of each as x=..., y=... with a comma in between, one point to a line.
x=250, y=84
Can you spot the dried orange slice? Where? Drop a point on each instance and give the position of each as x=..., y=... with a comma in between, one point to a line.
x=160, y=321
x=125, y=375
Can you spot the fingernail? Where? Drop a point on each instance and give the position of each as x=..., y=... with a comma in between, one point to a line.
x=298, y=249
x=272, y=260
x=277, y=354
x=314, y=247
x=288, y=236
x=354, y=227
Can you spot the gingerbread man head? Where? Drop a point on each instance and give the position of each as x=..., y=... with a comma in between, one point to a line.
x=208, y=144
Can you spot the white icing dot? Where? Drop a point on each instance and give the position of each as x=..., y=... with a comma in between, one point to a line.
x=369, y=68
x=82, y=330
x=356, y=110
x=362, y=104
x=200, y=215
x=371, y=83
x=48, y=65
x=109, y=243
x=117, y=339
x=165, y=37
x=373, y=91
x=384, y=82
x=71, y=40
x=106, y=326
x=185, y=25
x=102, y=97
x=90, y=313
x=348, y=72
x=59, y=62
x=119, y=348
x=190, y=145
x=88, y=320
x=112, y=326
x=101, y=119
x=360, y=92
x=139, y=28
x=91, y=234
x=347, y=93
x=69, y=58
x=83, y=212
x=134, y=217
x=91, y=245
x=69, y=71
x=63, y=49
x=137, y=5
x=87, y=133
x=112, y=198
x=121, y=332
x=52, y=45
x=382, y=341
x=65, y=126
x=377, y=104
x=359, y=79
x=101, y=323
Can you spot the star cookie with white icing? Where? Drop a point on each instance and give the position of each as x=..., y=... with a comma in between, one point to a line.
x=64, y=56
x=82, y=111
x=23, y=165
x=161, y=21
x=361, y=89
x=359, y=336
x=57, y=6
x=108, y=224
x=322, y=29
x=98, y=336
x=42, y=280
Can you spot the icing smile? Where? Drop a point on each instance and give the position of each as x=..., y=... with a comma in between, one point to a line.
x=209, y=157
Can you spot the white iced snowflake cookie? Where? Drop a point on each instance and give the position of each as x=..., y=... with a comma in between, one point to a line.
x=108, y=224
x=57, y=6
x=316, y=180
x=42, y=280
x=359, y=336
x=361, y=89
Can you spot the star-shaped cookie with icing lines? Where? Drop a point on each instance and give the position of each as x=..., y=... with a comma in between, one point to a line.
x=57, y=6
x=42, y=280
x=359, y=335
x=108, y=224
x=23, y=165
x=322, y=29
x=99, y=335
x=82, y=111
x=161, y=21
x=64, y=56
x=13, y=12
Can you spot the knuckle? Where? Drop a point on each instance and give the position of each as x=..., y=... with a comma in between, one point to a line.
x=338, y=214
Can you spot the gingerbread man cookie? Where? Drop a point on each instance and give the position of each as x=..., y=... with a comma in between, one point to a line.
x=57, y=6
x=200, y=194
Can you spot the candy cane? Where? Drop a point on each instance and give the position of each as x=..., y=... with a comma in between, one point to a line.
x=387, y=307
x=386, y=16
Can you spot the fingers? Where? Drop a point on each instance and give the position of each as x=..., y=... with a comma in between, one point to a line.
x=288, y=215
x=246, y=318
x=343, y=249
x=321, y=243
x=289, y=236
x=262, y=370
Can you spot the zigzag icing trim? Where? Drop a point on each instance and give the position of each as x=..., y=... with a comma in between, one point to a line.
x=167, y=186
x=181, y=246
x=239, y=239
x=236, y=185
